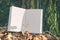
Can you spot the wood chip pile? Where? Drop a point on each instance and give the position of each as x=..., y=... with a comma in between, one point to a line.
x=4, y=35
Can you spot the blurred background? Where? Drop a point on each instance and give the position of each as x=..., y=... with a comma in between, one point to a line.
x=51, y=12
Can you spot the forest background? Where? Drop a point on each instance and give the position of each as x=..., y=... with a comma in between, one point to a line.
x=51, y=12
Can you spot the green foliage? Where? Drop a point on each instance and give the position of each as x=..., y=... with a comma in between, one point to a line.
x=52, y=18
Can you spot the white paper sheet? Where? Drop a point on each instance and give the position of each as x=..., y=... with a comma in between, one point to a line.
x=32, y=21
x=15, y=19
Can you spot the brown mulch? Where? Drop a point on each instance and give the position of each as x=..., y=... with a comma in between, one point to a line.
x=4, y=35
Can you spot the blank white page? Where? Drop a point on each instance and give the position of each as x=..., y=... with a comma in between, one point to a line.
x=32, y=21
x=15, y=19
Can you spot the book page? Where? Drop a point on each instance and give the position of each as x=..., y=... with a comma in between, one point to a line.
x=15, y=19
x=32, y=20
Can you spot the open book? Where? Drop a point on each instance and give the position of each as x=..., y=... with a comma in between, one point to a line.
x=25, y=20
